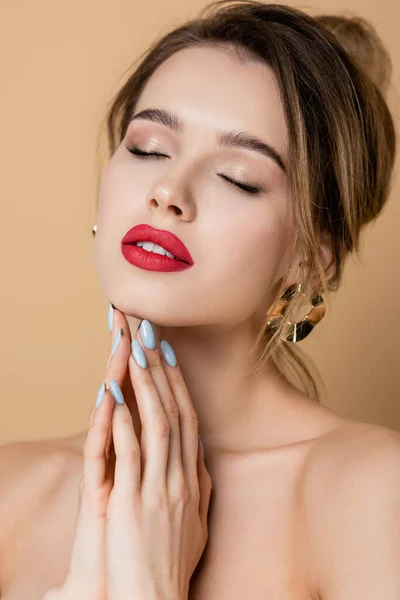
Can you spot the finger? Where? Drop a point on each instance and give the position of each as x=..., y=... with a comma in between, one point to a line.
x=117, y=365
x=109, y=441
x=127, y=474
x=94, y=465
x=154, y=442
x=188, y=419
x=118, y=321
x=98, y=444
x=146, y=337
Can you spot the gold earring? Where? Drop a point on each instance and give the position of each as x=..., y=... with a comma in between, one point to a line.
x=94, y=229
x=298, y=331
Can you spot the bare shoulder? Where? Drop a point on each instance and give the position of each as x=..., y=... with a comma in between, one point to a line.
x=30, y=472
x=353, y=449
x=350, y=499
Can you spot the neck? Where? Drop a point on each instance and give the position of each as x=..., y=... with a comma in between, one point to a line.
x=235, y=413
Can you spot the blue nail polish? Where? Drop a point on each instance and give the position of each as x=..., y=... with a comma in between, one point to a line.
x=138, y=354
x=100, y=394
x=168, y=353
x=116, y=392
x=147, y=333
x=117, y=341
x=110, y=317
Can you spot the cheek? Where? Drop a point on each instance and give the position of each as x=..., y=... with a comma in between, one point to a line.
x=243, y=261
x=254, y=236
x=112, y=222
x=250, y=237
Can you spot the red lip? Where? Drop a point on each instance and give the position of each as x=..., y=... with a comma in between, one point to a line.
x=166, y=239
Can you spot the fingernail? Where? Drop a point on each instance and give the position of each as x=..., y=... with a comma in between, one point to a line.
x=168, y=353
x=110, y=316
x=117, y=341
x=201, y=446
x=147, y=333
x=116, y=392
x=138, y=354
x=100, y=394
x=140, y=322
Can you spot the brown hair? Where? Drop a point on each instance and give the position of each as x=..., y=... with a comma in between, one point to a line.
x=332, y=72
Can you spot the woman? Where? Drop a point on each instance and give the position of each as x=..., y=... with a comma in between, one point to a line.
x=251, y=144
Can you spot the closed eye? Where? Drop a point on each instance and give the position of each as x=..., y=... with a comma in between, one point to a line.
x=249, y=189
x=135, y=150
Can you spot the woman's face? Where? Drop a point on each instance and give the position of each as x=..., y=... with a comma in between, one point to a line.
x=240, y=243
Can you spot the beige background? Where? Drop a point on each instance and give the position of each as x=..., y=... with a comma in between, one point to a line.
x=60, y=64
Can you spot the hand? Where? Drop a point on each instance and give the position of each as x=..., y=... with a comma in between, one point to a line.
x=156, y=527
x=86, y=577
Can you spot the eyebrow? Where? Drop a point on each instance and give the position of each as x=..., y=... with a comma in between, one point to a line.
x=229, y=139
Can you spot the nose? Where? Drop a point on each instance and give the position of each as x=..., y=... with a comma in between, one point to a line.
x=168, y=196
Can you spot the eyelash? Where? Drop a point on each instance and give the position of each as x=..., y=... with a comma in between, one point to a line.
x=248, y=189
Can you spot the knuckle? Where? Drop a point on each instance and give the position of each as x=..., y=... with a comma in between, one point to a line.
x=131, y=454
x=156, y=360
x=190, y=416
x=92, y=456
x=181, y=491
x=162, y=426
x=89, y=453
x=146, y=382
x=172, y=408
x=157, y=498
x=126, y=418
x=98, y=427
x=94, y=502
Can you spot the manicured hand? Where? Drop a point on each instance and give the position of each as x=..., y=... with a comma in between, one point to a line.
x=156, y=528
x=86, y=579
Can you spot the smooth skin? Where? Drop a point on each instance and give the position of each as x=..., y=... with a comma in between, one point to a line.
x=142, y=522
x=305, y=503
x=241, y=244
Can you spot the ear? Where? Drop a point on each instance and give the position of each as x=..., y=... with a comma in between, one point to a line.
x=326, y=254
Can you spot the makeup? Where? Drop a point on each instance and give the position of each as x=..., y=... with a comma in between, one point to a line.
x=151, y=261
x=158, y=249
